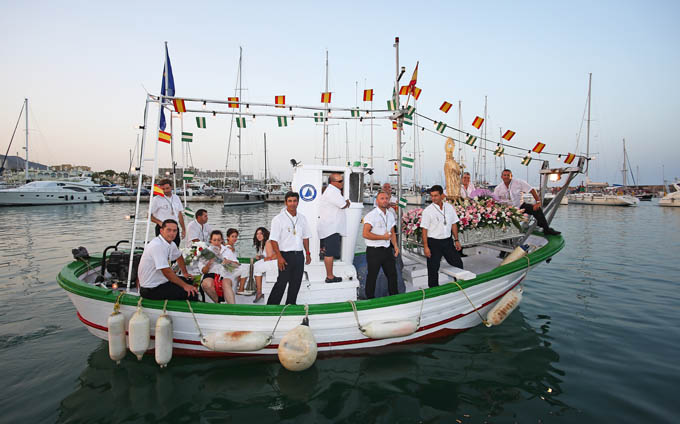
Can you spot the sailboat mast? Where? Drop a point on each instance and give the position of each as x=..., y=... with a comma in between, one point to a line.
x=624, y=171
x=26, y=116
x=371, y=191
x=240, y=97
x=400, y=123
x=590, y=80
x=325, y=121
x=265, y=161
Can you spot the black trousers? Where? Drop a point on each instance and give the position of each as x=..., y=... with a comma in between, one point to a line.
x=168, y=290
x=440, y=248
x=158, y=231
x=538, y=214
x=291, y=276
x=376, y=258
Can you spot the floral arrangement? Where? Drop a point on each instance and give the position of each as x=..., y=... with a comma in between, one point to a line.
x=410, y=223
x=200, y=250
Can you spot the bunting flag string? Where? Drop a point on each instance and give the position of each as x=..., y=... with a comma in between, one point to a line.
x=569, y=159
x=445, y=107
x=355, y=112
x=499, y=151
x=326, y=97
x=368, y=95
x=538, y=148
x=526, y=160
x=187, y=137
x=200, y=121
x=165, y=137
x=282, y=121
x=180, y=107
x=441, y=127
x=477, y=123
x=233, y=102
x=280, y=100
x=407, y=162
x=318, y=116
x=240, y=122
x=471, y=140
x=508, y=135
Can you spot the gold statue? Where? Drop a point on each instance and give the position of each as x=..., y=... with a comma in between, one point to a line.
x=452, y=172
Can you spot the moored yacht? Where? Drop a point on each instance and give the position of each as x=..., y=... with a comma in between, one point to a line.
x=672, y=199
x=52, y=193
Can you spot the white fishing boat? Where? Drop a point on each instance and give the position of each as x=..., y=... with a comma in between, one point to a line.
x=672, y=199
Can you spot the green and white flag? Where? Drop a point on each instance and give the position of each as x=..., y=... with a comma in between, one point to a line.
x=241, y=122
x=526, y=160
x=187, y=137
x=392, y=103
x=499, y=151
x=200, y=122
x=318, y=116
x=402, y=202
x=283, y=121
x=471, y=140
x=410, y=110
x=355, y=112
x=441, y=127
x=188, y=212
x=408, y=119
x=407, y=162
x=188, y=175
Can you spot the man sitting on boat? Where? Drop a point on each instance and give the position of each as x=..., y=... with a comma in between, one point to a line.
x=510, y=192
x=466, y=187
x=289, y=236
x=331, y=226
x=379, y=234
x=165, y=207
x=156, y=279
x=199, y=229
x=438, y=222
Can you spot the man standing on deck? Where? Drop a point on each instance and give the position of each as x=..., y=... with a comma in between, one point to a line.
x=510, y=192
x=199, y=229
x=289, y=235
x=392, y=200
x=332, y=224
x=157, y=280
x=378, y=232
x=165, y=207
x=438, y=222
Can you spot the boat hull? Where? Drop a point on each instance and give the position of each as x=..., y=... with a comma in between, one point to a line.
x=602, y=199
x=35, y=198
x=240, y=198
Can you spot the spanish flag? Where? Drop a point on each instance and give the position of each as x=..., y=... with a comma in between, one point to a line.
x=404, y=90
x=394, y=125
x=445, y=107
x=538, y=148
x=368, y=95
x=416, y=92
x=508, y=135
x=570, y=158
x=157, y=191
x=179, y=105
x=164, y=137
x=477, y=123
x=326, y=97
x=414, y=78
x=280, y=100
x=231, y=101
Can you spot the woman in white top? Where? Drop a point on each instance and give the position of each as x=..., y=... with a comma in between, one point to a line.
x=240, y=274
x=213, y=272
x=266, y=259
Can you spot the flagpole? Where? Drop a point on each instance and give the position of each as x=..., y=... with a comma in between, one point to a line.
x=400, y=122
x=325, y=121
x=184, y=162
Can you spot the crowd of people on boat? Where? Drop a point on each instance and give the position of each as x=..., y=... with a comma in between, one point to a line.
x=285, y=248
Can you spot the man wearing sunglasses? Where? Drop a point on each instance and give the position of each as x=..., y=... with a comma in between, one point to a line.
x=332, y=225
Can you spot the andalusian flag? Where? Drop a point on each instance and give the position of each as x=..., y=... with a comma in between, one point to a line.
x=394, y=126
x=499, y=151
x=326, y=97
x=179, y=105
x=416, y=92
x=282, y=121
x=404, y=90
x=508, y=135
x=407, y=162
x=402, y=202
x=318, y=116
x=445, y=107
x=280, y=100
x=241, y=122
x=526, y=160
x=570, y=158
x=157, y=191
x=477, y=123
x=189, y=213
x=392, y=103
x=408, y=119
x=164, y=137
x=538, y=148
x=233, y=102
x=187, y=137
x=200, y=122
x=368, y=95
x=441, y=127
x=471, y=140
x=410, y=110
x=355, y=112
x=188, y=175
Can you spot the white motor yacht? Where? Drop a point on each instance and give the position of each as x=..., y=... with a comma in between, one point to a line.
x=52, y=193
x=672, y=199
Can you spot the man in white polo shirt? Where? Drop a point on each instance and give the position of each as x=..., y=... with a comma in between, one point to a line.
x=379, y=234
x=439, y=221
x=199, y=229
x=289, y=236
x=156, y=279
x=168, y=206
x=331, y=226
x=466, y=187
x=510, y=192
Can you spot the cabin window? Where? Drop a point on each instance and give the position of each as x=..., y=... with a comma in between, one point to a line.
x=356, y=187
x=85, y=198
x=71, y=197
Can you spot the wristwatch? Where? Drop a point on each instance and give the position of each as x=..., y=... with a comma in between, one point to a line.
x=455, y=239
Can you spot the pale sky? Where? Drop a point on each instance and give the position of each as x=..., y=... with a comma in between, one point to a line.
x=84, y=67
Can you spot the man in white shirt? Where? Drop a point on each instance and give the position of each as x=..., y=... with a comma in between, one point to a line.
x=466, y=188
x=168, y=206
x=289, y=235
x=379, y=234
x=199, y=229
x=331, y=224
x=156, y=279
x=510, y=192
x=439, y=221
x=392, y=204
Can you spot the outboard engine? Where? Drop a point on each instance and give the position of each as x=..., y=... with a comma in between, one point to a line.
x=116, y=264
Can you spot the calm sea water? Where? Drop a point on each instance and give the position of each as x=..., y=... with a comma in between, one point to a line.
x=596, y=339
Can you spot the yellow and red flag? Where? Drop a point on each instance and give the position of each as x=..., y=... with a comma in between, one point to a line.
x=538, y=148
x=164, y=137
x=416, y=92
x=326, y=97
x=394, y=125
x=233, y=102
x=179, y=105
x=157, y=191
x=404, y=90
x=570, y=158
x=280, y=100
x=368, y=95
x=508, y=135
x=445, y=107
x=414, y=78
x=477, y=123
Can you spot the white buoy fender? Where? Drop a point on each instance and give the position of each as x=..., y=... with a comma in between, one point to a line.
x=504, y=307
x=139, y=333
x=163, y=348
x=389, y=329
x=116, y=325
x=297, y=349
x=235, y=341
x=514, y=255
